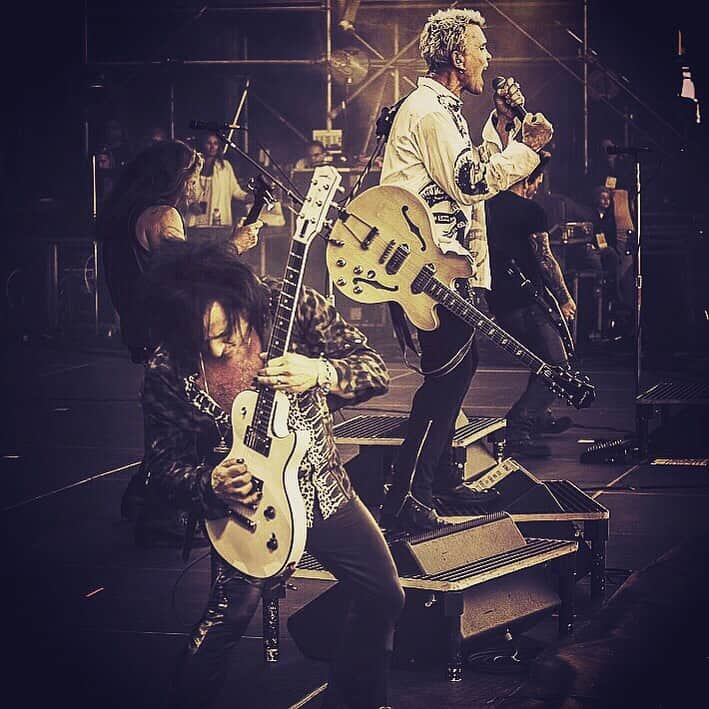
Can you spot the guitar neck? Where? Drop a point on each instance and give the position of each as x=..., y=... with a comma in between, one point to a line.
x=281, y=330
x=467, y=312
x=254, y=212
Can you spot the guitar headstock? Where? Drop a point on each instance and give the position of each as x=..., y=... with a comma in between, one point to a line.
x=320, y=197
x=263, y=198
x=574, y=387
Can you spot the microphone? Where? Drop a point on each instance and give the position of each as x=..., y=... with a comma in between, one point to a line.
x=520, y=111
x=627, y=149
x=214, y=126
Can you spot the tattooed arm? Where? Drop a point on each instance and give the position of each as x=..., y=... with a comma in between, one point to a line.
x=552, y=273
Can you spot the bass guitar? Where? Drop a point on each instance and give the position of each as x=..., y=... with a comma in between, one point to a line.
x=547, y=302
x=382, y=249
x=268, y=538
x=263, y=198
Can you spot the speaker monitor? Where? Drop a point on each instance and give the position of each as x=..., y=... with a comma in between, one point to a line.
x=457, y=545
x=517, y=490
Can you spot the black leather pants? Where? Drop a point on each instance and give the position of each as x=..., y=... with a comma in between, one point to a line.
x=434, y=410
x=351, y=546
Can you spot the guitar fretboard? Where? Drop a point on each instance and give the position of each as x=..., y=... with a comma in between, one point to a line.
x=450, y=300
x=281, y=330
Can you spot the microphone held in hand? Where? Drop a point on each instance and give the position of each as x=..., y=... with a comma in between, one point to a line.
x=520, y=111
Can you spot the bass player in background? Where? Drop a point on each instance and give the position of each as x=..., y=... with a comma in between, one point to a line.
x=522, y=264
x=212, y=316
x=429, y=152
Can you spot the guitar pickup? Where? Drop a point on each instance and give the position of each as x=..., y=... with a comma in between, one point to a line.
x=243, y=520
x=397, y=259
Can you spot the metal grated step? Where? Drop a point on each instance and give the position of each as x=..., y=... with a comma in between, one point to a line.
x=576, y=505
x=481, y=567
x=390, y=430
x=675, y=393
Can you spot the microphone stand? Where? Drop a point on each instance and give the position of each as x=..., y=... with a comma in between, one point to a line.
x=632, y=447
x=222, y=135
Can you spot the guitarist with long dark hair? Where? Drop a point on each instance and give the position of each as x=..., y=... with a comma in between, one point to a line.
x=523, y=266
x=212, y=316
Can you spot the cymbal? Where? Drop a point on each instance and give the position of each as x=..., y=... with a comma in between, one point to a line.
x=349, y=66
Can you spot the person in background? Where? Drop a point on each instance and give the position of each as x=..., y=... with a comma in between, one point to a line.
x=141, y=214
x=315, y=154
x=216, y=188
x=518, y=237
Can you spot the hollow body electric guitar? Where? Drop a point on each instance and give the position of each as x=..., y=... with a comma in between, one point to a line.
x=382, y=249
x=265, y=539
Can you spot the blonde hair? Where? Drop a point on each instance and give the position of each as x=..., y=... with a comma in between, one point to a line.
x=443, y=34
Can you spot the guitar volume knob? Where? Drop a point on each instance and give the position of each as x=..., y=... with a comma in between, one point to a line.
x=357, y=270
x=272, y=543
x=340, y=281
x=269, y=512
x=340, y=262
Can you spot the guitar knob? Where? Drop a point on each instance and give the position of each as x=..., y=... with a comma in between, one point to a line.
x=272, y=543
x=357, y=270
x=371, y=274
x=357, y=289
x=269, y=513
x=340, y=281
x=340, y=262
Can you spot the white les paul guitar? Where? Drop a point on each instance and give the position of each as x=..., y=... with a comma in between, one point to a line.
x=265, y=539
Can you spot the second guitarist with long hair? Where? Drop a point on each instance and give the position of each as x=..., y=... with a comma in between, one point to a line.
x=523, y=265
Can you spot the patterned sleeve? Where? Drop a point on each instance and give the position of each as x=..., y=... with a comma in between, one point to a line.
x=466, y=173
x=176, y=473
x=361, y=372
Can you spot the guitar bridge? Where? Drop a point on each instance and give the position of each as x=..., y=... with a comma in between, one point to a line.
x=367, y=241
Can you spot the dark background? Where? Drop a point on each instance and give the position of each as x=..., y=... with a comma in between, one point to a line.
x=48, y=96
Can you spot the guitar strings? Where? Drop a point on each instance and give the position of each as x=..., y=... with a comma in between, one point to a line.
x=458, y=305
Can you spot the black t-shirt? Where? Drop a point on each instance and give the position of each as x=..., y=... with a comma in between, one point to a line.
x=511, y=220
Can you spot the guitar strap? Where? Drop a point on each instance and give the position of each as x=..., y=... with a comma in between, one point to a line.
x=403, y=337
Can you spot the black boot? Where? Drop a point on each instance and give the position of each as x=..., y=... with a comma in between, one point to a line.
x=548, y=424
x=520, y=439
x=413, y=517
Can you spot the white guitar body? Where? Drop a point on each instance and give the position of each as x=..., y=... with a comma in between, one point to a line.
x=280, y=514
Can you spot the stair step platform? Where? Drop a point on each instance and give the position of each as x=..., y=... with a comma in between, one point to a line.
x=576, y=506
x=535, y=552
x=682, y=429
x=668, y=393
x=555, y=508
x=513, y=588
x=390, y=430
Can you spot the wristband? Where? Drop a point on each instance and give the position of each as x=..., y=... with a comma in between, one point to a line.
x=329, y=377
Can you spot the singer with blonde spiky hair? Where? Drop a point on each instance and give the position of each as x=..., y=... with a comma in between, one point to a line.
x=429, y=152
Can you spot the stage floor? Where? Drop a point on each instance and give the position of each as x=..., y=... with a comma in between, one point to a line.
x=92, y=620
